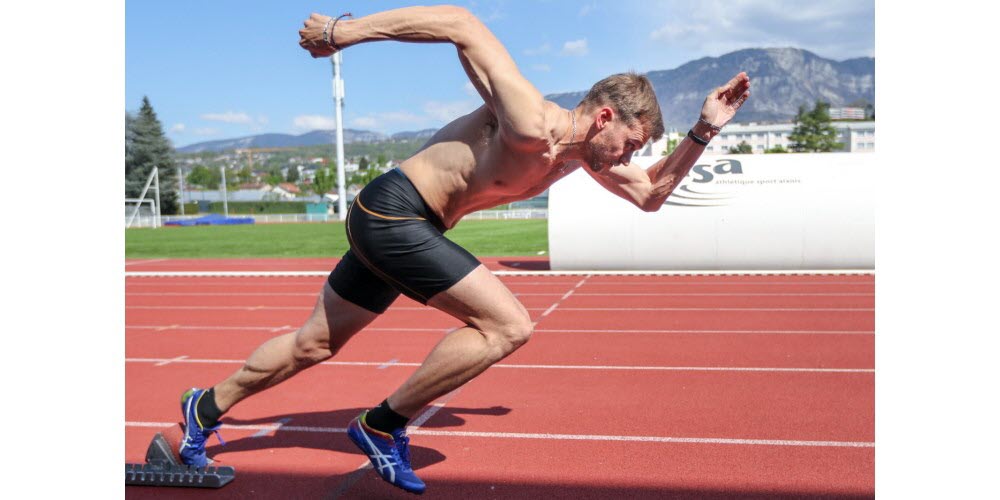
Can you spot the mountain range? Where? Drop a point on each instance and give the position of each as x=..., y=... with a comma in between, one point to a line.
x=782, y=79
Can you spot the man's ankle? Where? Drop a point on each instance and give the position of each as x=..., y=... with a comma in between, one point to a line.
x=385, y=419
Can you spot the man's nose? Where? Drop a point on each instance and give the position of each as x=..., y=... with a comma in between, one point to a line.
x=627, y=157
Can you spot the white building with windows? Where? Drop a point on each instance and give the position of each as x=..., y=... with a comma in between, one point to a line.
x=857, y=137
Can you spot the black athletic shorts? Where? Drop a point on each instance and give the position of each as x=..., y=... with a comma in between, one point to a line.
x=397, y=246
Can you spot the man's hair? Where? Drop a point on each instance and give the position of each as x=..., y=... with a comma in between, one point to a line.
x=631, y=96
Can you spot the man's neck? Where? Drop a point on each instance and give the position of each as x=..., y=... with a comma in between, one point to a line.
x=570, y=143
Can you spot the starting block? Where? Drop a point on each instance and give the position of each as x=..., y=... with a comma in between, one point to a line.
x=163, y=468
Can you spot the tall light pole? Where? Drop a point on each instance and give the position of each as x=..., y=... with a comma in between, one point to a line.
x=338, y=104
x=180, y=187
x=225, y=194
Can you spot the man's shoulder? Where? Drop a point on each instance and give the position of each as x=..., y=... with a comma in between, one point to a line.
x=538, y=137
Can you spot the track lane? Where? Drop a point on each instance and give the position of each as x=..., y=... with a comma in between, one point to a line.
x=787, y=405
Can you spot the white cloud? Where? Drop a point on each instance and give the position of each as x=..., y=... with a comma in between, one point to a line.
x=306, y=123
x=544, y=48
x=206, y=132
x=541, y=67
x=433, y=114
x=712, y=27
x=588, y=8
x=401, y=117
x=178, y=128
x=365, y=122
x=575, y=48
x=383, y=120
x=228, y=117
x=448, y=111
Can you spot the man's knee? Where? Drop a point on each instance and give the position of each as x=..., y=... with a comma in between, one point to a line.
x=514, y=334
x=312, y=346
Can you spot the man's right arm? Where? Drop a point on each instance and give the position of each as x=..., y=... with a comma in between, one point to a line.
x=517, y=104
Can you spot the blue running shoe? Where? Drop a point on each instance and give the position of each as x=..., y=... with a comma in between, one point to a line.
x=389, y=454
x=192, y=449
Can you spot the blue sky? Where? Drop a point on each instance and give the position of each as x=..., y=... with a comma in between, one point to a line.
x=224, y=69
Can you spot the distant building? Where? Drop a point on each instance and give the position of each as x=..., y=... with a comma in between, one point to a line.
x=857, y=137
x=847, y=113
x=262, y=194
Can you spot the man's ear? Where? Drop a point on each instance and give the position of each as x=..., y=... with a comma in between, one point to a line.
x=604, y=116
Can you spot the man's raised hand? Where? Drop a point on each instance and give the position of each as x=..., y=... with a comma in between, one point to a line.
x=723, y=102
x=311, y=37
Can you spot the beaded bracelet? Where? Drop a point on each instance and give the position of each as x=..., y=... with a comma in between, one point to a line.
x=328, y=37
x=713, y=127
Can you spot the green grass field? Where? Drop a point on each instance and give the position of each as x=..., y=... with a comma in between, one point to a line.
x=482, y=238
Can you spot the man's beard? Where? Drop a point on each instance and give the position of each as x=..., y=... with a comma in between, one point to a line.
x=596, y=163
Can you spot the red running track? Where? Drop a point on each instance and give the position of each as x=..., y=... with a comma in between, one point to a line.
x=631, y=387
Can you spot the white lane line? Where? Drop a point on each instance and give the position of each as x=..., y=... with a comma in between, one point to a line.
x=561, y=437
x=690, y=294
x=272, y=428
x=560, y=301
x=733, y=273
x=536, y=294
x=168, y=361
x=228, y=283
x=768, y=332
x=209, y=328
x=220, y=294
x=395, y=363
x=546, y=313
x=425, y=416
x=139, y=262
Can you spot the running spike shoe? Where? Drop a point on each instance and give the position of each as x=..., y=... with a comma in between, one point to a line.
x=192, y=449
x=389, y=454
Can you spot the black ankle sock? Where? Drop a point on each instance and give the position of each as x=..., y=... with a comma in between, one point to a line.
x=382, y=418
x=208, y=412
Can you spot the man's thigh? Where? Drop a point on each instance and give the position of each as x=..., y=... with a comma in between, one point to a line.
x=480, y=299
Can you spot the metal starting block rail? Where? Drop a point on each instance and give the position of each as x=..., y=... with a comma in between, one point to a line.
x=163, y=469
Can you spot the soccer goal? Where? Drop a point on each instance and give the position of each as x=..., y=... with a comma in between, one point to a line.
x=133, y=206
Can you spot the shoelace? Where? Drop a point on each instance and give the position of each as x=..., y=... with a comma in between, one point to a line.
x=403, y=449
x=219, y=437
x=213, y=431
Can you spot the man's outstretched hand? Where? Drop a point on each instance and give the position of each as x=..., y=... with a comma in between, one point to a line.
x=723, y=102
x=311, y=37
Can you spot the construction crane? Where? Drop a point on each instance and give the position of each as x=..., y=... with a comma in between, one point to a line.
x=250, y=151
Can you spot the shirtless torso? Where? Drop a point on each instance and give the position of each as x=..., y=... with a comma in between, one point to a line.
x=467, y=165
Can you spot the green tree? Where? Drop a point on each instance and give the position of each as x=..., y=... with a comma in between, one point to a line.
x=671, y=146
x=776, y=149
x=274, y=177
x=363, y=177
x=146, y=147
x=293, y=175
x=363, y=164
x=381, y=160
x=813, y=132
x=245, y=175
x=324, y=181
x=208, y=178
x=130, y=135
x=741, y=149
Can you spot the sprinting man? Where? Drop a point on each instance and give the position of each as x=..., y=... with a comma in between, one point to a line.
x=512, y=147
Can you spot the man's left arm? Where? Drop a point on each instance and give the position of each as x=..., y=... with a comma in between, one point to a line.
x=649, y=188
